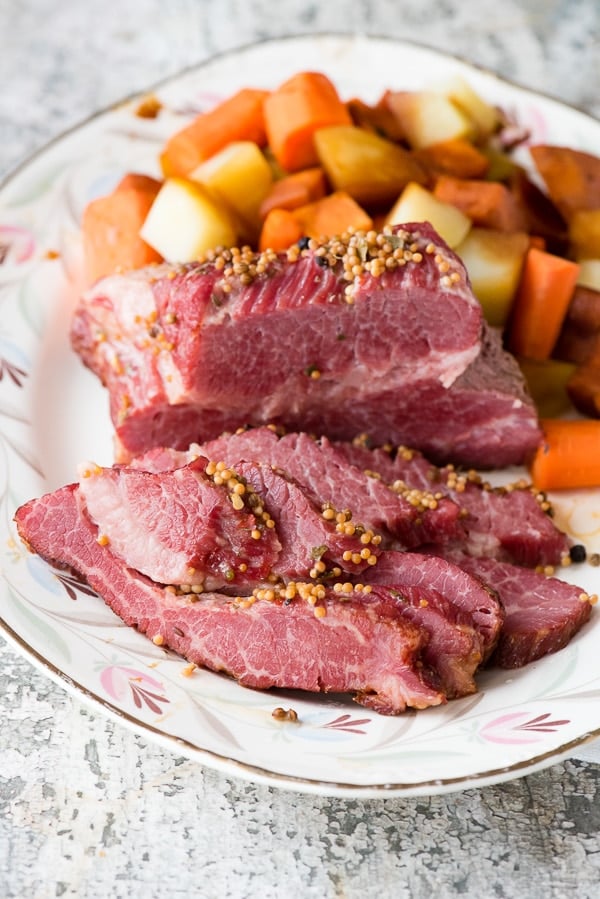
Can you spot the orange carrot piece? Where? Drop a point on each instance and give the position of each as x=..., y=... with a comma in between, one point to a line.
x=295, y=190
x=111, y=225
x=569, y=455
x=279, y=231
x=545, y=291
x=487, y=203
x=457, y=157
x=240, y=117
x=299, y=107
x=141, y=183
x=334, y=214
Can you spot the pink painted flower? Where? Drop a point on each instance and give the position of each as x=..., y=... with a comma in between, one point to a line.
x=121, y=683
x=512, y=729
x=16, y=245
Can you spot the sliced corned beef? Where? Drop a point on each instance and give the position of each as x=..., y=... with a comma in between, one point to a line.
x=180, y=527
x=510, y=524
x=401, y=352
x=476, y=604
x=326, y=475
x=542, y=613
x=231, y=530
x=359, y=646
x=454, y=649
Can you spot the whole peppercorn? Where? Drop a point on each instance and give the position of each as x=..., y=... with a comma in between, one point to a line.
x=577, y=553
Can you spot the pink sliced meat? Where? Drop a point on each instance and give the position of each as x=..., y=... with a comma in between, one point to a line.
x=475, y=604
x=542, y=613
x=508, y=524
x=180, y=527
x=323, y=471
x=360, y=647
x=187, y=352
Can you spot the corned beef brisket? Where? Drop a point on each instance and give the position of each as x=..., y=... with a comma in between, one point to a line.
x=296, y=555
x=241, y=570
x=375, y=334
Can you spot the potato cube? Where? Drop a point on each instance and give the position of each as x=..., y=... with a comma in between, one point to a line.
x=185, y=221
x=428, y=117
x=241, y=177
x=417, y=204
x=494, y=260
x=485, y=117
x=372, y=169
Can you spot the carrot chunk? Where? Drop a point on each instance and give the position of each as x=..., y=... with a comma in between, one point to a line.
x=457, y=157
x=299, y=107
x=111, y=228
x=239, y=118
x=295, y=190
x=334, y=214
x=279, y=231
x=545, y=291
x=569, y=455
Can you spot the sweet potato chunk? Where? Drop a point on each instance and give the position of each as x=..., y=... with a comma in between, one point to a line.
x=571, y=176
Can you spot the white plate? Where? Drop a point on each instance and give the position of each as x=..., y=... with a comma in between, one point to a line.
x=53, y=414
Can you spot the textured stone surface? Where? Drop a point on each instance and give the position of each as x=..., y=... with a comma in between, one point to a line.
x=87, y=808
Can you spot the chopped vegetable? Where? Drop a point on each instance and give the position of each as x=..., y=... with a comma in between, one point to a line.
x=378, y=119
x=299, y=107
x=370, y=168
x=111, y=228
x=569, y=455
x=584, y=233
x=240, y=117
x=486, y=203
x=571, y=176
x=589, y=273
x=417, y=204
x=295, y=190
x=574, y=345
x=334, y=214
x=280, y=230
x=240, y=176
x=547, y=381
x=584, y=309
x=494, y=260
x=545, y=291
x=583, y=389
x=544, y=219
x=428, y=117
x=185, y=221
x=485, y=117
x=458, y=157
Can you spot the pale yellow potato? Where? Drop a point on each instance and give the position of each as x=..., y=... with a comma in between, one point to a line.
x=494, y=260
x=485, y=117
x=589, y=273
x=417, y=204
x=429, y=117
x=241, y=177
x=185, y=221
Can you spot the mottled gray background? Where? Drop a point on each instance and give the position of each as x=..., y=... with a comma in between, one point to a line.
x=87, y=808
